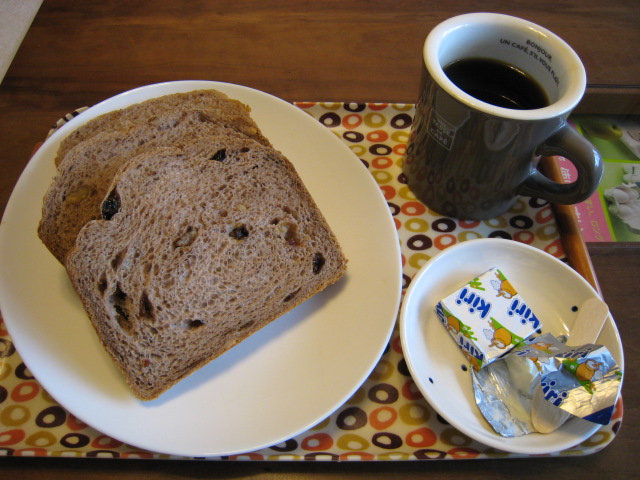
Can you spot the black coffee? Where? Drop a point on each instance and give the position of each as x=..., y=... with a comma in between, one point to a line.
x=497, y=83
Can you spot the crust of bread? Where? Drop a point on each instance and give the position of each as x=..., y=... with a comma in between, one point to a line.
x=231, y=112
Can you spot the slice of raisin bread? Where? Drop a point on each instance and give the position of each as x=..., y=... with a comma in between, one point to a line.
x=86, y=171
x=199, y=247
x=229, y=112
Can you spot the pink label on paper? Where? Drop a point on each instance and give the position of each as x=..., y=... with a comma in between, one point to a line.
x=592, y=220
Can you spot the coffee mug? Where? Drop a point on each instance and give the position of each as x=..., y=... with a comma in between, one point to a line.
x=495, y=95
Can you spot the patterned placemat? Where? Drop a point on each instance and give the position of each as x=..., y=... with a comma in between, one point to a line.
x=387, y=418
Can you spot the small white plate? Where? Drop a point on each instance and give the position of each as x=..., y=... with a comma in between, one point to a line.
x=277, y=383
x=439, y=368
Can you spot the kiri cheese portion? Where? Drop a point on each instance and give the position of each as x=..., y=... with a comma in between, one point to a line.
x=487, y=317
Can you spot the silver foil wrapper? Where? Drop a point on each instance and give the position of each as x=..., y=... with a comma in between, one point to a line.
x=584, y=381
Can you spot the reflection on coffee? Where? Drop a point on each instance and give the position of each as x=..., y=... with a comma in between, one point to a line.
x=497, y=83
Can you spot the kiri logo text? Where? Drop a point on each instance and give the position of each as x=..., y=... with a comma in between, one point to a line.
x=551, y=394
x=469, y=347
x=520, y=310
x=475, y=302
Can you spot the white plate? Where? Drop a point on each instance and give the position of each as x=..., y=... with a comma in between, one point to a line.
x=438, y=366
x=276, y=384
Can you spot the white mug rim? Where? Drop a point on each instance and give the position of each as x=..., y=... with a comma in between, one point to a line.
x=561, y=107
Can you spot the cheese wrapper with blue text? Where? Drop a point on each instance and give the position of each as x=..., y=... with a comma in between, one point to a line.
x=487, y=317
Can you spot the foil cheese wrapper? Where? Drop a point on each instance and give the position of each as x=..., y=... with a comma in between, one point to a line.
x=584, y=381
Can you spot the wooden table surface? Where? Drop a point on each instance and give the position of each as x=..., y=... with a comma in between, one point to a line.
x=80, y=52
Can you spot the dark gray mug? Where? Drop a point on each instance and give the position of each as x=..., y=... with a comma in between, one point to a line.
x=471, y=159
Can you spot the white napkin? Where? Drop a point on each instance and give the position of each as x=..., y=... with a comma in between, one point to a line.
x=15, y=19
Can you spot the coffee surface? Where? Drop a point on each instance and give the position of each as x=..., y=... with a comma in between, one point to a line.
x=497, y=83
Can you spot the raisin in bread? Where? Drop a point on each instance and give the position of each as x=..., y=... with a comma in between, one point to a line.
x=230, y=112
x=199, y=247
x=87, y=169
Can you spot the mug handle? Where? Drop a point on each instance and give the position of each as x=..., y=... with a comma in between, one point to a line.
x=566, y=142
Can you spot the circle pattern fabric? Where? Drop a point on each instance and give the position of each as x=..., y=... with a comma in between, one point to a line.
x=387, y=418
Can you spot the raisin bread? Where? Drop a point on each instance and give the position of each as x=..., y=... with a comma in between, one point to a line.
x=199, y=246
